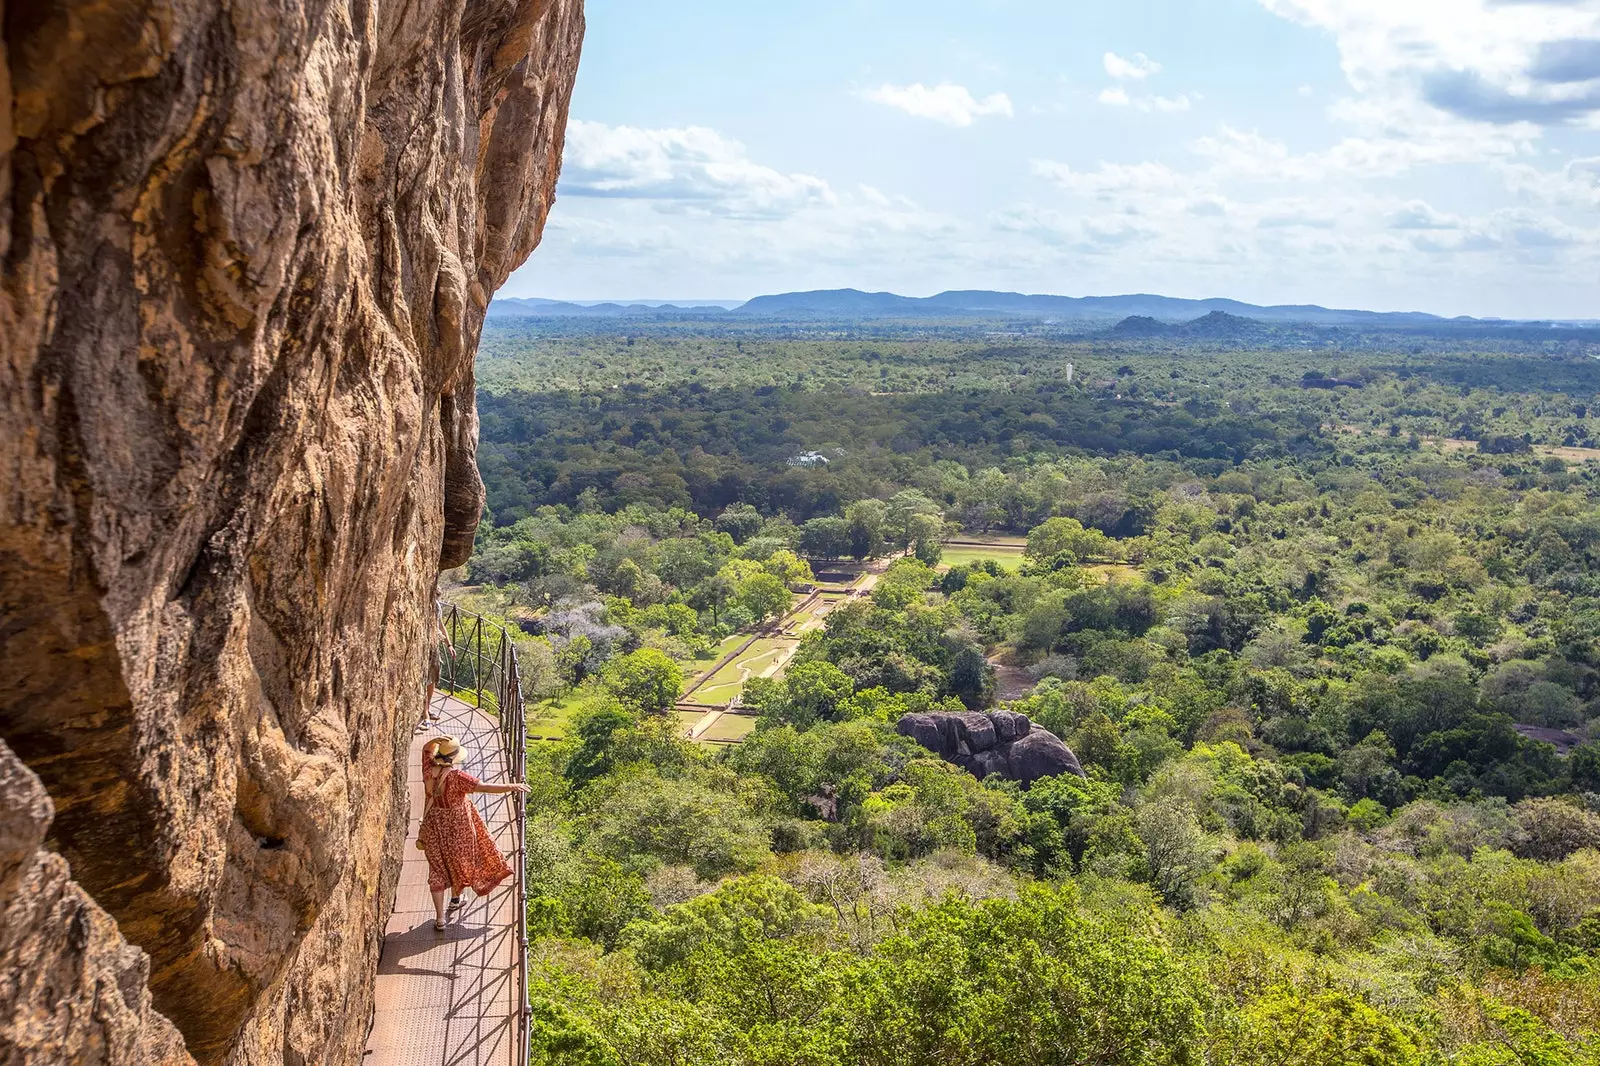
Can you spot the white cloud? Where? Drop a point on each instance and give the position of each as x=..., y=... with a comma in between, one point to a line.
x=643, y=210
x=953, y=105
x=1577, y=184
x=1420, y=215
x=1494, y=62
x=692, y=168
x=1112, y=179
x=1251, y=206
x=1249, y=155
x=1140, y=66
x=1117, y=96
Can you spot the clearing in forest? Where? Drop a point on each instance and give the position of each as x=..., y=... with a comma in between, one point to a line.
x=1006, y=551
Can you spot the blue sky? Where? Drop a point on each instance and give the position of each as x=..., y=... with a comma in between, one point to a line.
x=1439, y=155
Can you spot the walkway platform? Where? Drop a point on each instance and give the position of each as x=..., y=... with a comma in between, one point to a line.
x=451, y=998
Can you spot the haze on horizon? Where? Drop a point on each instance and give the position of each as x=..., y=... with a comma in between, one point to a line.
x=1433, y=155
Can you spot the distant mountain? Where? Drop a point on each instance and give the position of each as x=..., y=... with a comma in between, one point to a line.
x=1218, y=325
x=837, y=303
x=1141, y=314
x=532, y=307
x=1141, y=326
x=842, y=303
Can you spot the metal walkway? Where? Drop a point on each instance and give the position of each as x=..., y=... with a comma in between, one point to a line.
x=459, y=997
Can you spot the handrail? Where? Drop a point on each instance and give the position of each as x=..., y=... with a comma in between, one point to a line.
x=478, y=657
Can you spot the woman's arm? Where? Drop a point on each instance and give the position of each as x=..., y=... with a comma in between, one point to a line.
x=497, y=789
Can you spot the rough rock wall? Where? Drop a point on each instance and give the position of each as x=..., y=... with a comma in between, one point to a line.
x=245, y=252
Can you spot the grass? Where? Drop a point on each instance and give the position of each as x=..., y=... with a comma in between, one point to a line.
x=700, y=666
x=689, y=719
x=549, y=719
x=1113, y=571
x=800, y=618
x=714, y=695
x=998, y=540
x=964, y=555
x=730, y=727
x=727, y=682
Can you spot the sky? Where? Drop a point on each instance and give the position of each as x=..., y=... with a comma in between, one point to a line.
x=1434, y=155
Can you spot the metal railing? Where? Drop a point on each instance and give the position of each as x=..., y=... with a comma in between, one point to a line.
x=478, y=664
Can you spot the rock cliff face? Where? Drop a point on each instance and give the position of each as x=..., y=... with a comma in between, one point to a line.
x=1000, y=742
x=245, y=252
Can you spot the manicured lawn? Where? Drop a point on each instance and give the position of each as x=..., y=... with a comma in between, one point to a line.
x=696, y=668
x=689, y=719
x=1004, y=540
x=965, y=555
x=714, y=695
x=730, y=727
x=549, y=719
x=727, y=682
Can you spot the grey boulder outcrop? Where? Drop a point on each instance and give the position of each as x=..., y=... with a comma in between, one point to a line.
x=1004, y=743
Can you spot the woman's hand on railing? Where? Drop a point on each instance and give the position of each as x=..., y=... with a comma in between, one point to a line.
x=498, y=789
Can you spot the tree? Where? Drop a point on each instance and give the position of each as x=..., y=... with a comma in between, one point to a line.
x=825, y=538
x=1067, y=535
x=1550, y=829
x=1584, y=765
x=713, y=595
x=630, y=581
x=573, y=659
x=764, y=596
x=867, y=519
x=737, y=916
x=904, y=508
x=1301, y=886
x=740, y=521
x=678, y=821
x=970, y=677
x=1289, y=1028
x=924, y=531
x=1176, y=851
x=685, y=561
x=789, y=568
x=646, y=680
x=813, y=692
x=903, y=583
x=593, y=735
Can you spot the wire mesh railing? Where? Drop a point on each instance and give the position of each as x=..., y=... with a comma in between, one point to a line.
x=478, y=665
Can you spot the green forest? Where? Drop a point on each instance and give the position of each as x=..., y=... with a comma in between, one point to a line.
x=1320, y=620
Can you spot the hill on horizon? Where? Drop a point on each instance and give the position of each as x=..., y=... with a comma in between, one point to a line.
x=1153, y=311
x=1086, y=309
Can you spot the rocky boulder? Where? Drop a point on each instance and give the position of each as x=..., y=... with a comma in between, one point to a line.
x=1040, y=754
x=245, y=255
x=1000, y=742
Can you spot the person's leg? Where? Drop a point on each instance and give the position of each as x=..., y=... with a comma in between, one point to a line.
x=438, y=908
x=455, y=895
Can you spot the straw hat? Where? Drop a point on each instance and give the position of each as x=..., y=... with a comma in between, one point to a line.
x=445, y=748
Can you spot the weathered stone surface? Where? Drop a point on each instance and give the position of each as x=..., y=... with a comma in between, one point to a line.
x=1040, y=754
x=975, y=730
x=989, y=762
x=1009, y=725
x=999, y=742
x=921, y=728
x=245, y=252
x=82, y=997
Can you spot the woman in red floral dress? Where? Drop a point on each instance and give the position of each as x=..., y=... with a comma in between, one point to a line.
x=460, y=851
